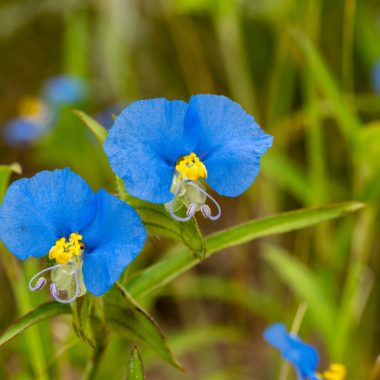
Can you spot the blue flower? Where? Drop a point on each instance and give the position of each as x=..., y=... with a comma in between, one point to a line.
x=106, y=116
x=302, y=356
x=163, y=150
x=64, y=89
x=376, y=77
x=34, y=119
x=91, y=236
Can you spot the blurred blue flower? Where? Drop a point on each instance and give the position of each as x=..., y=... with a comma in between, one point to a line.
x=106, y=116
x=376, y=77
x=92, y=236
x=37, y=115
x=302, y=356
x=64, y=90
x=163, y=149
x=34, y=119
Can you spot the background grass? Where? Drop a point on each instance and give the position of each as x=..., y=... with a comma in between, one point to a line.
x=303, y=68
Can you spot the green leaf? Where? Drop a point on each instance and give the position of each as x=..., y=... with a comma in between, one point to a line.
x=126, y=316
x=97, y=129
x=346, y=118
x=230, y=291
x=158, y=222
x=305, y=285
x=170, y=268
x=82, y=310
x=135, y=366
x=44, y=311
x=5, y=173
x=288, y=175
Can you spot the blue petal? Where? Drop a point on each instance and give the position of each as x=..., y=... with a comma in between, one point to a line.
x=231, y=143
x=277, y=336
x=65, y=90
x=303, y=356
x=376, y=77
x=147, y=139
x=36, y=212
x=113, y=240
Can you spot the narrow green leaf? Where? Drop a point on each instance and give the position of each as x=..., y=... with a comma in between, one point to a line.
x=82, y=309
x=158, y=222
x=135, y=366
x=304, y=284
x=170, y=268
x=347, y=119
x=97, y=129
x=126, y=316
x=230, y=291
x=44, y=311
x=5, y=173
x=287, y=175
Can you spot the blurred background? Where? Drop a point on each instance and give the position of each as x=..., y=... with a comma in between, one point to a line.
x=309, y=71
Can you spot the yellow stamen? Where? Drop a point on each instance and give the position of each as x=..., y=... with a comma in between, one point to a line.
x=64, y=250
x=191, y=167
x=335, y=372
x=30, y=107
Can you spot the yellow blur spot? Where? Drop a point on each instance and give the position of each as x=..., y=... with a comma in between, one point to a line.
x=191, y=167
x=64, y=250
x=30, y=107
x=335, y=372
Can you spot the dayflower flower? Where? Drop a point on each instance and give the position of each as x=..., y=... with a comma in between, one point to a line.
x=64, y=89
x=33, y=119
x=302, y=356
x=165, y=150
x=36, y=115
x=106, y=116
x=91, y=236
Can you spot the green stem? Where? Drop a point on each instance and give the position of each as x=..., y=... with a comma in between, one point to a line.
x=93, y=364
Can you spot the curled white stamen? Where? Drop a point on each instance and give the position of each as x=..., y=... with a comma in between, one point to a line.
x=170, y=207
x=55, y=292
x=206, y=211
x=40, y=283
x=191, y=210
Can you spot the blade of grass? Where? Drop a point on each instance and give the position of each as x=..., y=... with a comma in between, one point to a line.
x=168, y=269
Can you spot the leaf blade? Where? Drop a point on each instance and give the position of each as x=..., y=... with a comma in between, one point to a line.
x=5, y=173
x=168, y=269
x=134, y=322
x=135, y=366
x=44, y=311
x=96, y=128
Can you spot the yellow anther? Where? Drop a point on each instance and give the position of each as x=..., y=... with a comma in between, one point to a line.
x=335, y=372
x=64, y=250
x=191, y=167
x=30, y=106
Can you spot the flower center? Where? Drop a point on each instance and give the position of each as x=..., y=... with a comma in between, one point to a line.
x=191, y=167
x=64, y=250
x=335, y=372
